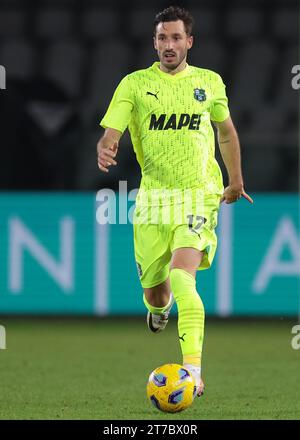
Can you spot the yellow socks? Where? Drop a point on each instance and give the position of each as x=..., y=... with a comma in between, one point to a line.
x=190, y=316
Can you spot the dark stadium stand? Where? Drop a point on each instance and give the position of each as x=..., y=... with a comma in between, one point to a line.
x=83, y=49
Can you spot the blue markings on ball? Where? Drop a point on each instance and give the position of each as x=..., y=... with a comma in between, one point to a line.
x=183, y=374
x=176, y=396
x=155, y=402
x=160, y=380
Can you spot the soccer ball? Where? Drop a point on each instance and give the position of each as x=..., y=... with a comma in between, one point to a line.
x=170, y=388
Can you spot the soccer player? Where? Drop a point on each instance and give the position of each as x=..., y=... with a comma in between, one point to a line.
x=168, y=109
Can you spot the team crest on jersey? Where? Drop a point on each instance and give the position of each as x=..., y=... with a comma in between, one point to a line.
x=199, y=95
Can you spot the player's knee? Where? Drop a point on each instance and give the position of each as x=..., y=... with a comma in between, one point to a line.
x=185, y=268
x=187, y=259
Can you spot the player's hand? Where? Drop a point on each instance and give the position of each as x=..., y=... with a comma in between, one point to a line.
x=106, y=154
x=233, y=193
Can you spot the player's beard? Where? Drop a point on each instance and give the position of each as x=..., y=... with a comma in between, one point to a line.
x=177, y=61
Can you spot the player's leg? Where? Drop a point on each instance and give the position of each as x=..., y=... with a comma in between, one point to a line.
x=193, y=247
x=158, y=296
x=184, y=264
x=153, y=257
x=158, y=300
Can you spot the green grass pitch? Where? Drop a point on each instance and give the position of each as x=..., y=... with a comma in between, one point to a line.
x=98, y=368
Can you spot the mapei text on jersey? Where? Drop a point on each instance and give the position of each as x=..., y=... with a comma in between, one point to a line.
x=175, y=122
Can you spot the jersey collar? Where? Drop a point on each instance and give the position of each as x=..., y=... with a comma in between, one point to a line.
x=182, y=74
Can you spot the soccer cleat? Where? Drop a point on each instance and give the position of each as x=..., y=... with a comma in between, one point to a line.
x=157, y=323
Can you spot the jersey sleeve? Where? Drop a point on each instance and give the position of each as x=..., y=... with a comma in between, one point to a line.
x=118, y=114
x=219, y=110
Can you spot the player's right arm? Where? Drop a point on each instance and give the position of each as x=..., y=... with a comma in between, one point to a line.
x=107, y=148
x=115, y=122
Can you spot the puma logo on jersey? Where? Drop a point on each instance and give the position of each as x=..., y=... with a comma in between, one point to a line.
x=153, y=94
x=175, y=122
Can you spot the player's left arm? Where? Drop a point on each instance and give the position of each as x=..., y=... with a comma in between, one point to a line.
x=231, y=154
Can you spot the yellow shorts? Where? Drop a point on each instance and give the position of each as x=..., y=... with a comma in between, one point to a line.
x=154, y=243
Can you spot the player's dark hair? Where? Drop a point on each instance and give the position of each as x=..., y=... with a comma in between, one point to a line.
x=175, y=13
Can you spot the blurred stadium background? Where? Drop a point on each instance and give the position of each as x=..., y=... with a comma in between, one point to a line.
x=63, y=60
